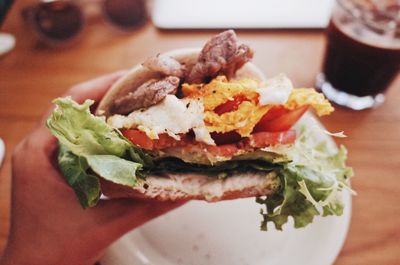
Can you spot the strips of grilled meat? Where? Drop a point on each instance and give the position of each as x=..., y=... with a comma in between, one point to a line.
x=220, y=55
x=148, y=94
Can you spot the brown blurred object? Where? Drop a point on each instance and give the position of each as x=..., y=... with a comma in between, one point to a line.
x=32, y=76
x=372, y=4
x=60, y=22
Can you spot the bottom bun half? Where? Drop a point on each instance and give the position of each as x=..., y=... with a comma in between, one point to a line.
x=173, y=187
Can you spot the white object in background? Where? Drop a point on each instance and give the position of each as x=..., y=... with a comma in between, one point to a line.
x=194, y=14
x=2, y=151
x=227, y=233
x=7, y=43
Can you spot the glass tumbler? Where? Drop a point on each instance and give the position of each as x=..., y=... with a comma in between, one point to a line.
x=362, y=54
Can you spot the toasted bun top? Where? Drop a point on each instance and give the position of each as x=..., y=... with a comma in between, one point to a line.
x=139, y=75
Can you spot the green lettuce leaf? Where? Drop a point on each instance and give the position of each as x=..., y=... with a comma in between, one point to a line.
x=114, y=169
x=89, y=146
x=311, y=184
x=82, y=132
x=75, y=172
x=78, y=172
x=141, y=156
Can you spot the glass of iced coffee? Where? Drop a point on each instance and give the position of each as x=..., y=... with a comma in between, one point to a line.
x=362, y=54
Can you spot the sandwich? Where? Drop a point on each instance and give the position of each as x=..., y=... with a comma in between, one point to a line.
x=204, y=124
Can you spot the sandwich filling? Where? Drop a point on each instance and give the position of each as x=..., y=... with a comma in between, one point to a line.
x=200, y=119
x=220, y=120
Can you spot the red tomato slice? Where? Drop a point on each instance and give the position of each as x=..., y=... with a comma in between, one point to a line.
x=263, y=139
x=225, y=150
x=273, y=113
x=226, y=138
x=164, y=140
x=138, y=138
x=230, y=105
x=280, y=120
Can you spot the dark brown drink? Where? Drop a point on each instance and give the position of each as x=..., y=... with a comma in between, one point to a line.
x=362, y=53
x=356, y=67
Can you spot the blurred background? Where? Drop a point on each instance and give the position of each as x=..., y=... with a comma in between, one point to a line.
x=46, y=47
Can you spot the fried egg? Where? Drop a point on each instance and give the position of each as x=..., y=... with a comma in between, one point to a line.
x=260, y=98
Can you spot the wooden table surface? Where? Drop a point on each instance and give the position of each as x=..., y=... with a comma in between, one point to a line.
x=32, y=75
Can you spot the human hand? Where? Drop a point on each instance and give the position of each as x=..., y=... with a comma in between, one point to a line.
x=48, y=225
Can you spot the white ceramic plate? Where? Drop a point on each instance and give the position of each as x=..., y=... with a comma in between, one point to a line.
x=227, y=233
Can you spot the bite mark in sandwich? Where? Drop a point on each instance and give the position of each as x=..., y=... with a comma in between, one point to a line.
x=203, y=125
